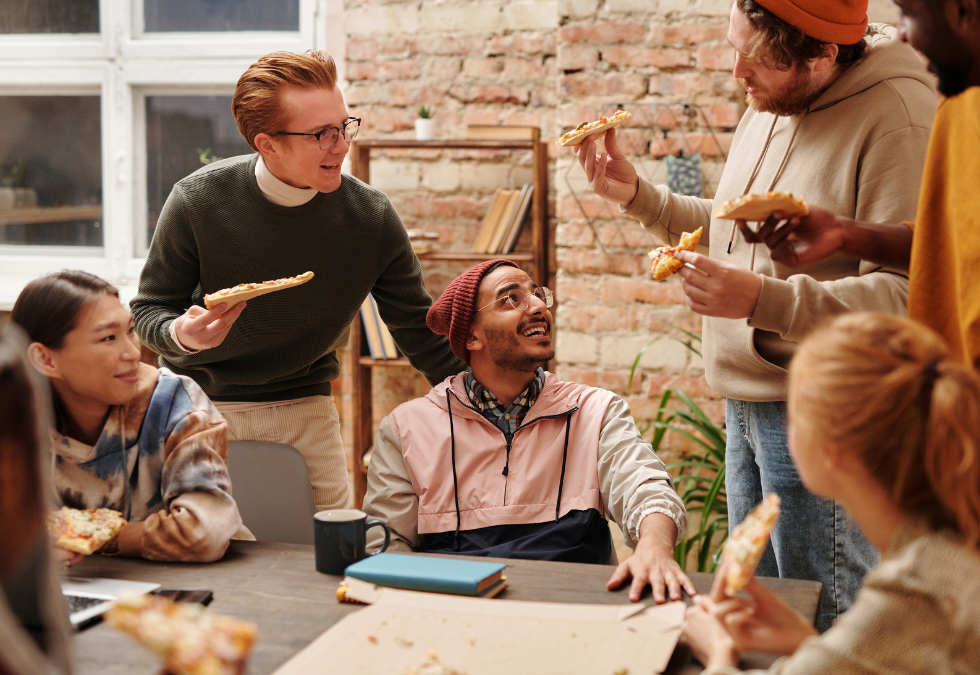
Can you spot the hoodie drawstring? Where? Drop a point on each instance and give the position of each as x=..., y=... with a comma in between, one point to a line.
x=452, y=439
x=564, y=458
x=772, y=184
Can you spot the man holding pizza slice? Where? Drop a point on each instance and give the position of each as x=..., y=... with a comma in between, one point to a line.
x=839, y=115
x=285, y=211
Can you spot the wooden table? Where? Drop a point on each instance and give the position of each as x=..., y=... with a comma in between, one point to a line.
x=278, y=587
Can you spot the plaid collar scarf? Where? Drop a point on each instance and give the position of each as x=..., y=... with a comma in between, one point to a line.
x=505, y=419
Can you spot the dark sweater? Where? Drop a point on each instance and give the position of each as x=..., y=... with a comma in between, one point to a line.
x=218, y=230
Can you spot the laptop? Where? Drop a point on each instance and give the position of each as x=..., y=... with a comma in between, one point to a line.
x=88, y=599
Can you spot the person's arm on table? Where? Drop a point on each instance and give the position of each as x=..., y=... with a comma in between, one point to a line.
x=167, y=283
x=403, y=303
x=640, y=498
x=614, y=178
x=200, y=516
x=390, y=496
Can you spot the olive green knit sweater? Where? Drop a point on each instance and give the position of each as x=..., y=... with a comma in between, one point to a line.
x=218, y=230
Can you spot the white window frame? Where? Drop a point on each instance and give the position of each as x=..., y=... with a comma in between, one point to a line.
x=123, y=65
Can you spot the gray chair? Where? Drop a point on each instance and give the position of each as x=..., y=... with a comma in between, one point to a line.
x=271, y=484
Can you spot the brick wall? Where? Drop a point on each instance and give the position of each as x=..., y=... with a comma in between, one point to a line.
x=480, y=62
x=552, y=64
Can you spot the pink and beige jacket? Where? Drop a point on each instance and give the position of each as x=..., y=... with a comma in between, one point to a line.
x=607, y=466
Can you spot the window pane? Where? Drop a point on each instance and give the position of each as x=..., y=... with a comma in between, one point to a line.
x=183, y=133
x=220, y=15
x=49, y=16
x=50, y=171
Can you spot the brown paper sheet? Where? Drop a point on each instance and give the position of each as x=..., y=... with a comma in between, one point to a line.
x=476, y=636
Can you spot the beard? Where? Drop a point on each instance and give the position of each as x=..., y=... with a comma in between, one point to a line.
x=507, y=352
x=952, y=81
x=790, y=101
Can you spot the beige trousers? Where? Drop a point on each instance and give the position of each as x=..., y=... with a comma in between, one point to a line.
x=312, y=426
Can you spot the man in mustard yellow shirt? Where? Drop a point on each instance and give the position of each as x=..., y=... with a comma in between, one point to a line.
x=944, y=254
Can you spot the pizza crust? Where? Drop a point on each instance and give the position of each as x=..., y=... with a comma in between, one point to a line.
x=242, y=292
x=662, y=260
x=757, y=208
x=85, y=531
x=745, y=547
x=191, y=639
x=596, y=129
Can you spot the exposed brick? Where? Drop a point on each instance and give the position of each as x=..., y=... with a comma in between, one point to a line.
x=695, y=387
x=531, y=14
x=524, y=69
x=442, y=68
x=489, y=94
x=383, y=70
x=373, y=19
x=628, y=84
x=695, y=33
x=478, y=116
x=578, y=9
x=443, y=207
x=462, y=17
x=576, y=289
x=361, y=49
x=520, y=43
x=596, y=262
x=586, y=206
x=716, y=58
x=639, y=57
x=630, y=236
x=448, y=45
x=578, y=57
x=603, y=31
x=482, y=67
x=575, y=347
x=724, y=115
x=631, y=141
x=625, y=291
x=574, y=235
x=712, y=145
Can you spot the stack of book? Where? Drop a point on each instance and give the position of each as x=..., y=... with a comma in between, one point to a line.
x=502, y=224
x=380, y=343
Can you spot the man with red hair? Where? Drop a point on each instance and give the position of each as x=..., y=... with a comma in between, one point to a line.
x=839, y=114
x=508, y=461
x=282, y=211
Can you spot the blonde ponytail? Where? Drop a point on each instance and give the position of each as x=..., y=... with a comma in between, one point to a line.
x=886, y=389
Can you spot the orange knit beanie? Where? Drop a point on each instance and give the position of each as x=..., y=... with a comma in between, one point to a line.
x=839, y=22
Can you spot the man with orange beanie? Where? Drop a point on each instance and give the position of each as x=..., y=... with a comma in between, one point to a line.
x=508, y=461
x=945, y=250
x=839, y=114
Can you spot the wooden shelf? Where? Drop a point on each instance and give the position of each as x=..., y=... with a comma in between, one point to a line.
x=469, y=256
x=361, y=364
x=29, y=215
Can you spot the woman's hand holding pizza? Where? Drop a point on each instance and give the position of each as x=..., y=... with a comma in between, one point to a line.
x=716, y=288
x=200, y=328
x=611, y=176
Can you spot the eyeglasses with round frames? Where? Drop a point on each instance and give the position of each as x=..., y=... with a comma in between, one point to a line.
x=327, y=138
x=521, y=300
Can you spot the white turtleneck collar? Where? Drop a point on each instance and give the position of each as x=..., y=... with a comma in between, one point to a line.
x=278, y=192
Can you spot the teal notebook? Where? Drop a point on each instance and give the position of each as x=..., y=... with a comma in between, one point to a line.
x=436, y=575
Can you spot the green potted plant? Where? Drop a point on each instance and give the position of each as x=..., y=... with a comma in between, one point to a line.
x=425, y=126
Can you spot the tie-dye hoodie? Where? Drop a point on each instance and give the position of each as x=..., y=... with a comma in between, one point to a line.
x=170, y=476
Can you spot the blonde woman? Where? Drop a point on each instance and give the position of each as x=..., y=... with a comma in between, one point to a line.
x=882, y=419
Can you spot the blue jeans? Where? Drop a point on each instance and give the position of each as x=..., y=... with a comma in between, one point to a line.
x=814, y=538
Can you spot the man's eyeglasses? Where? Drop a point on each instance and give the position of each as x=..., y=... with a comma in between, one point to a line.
x=521, y=300
x=328, y=137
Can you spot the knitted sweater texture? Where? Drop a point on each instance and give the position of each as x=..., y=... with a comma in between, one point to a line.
x=217, y=230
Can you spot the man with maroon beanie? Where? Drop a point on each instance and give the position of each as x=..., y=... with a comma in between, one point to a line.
x=507, y=461
x=839, y=114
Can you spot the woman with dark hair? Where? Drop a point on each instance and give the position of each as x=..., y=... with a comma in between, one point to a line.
x=886, y=420
x=33, y=622
x=127, y=436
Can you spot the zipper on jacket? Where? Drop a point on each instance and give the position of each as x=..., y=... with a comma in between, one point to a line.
x=506, y=470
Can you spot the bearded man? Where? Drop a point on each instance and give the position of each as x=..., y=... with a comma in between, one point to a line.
x=508, y=461
x=839, y=114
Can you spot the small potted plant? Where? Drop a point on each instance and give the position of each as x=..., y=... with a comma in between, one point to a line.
x=425, y=126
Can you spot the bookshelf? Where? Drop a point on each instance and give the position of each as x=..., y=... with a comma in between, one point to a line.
x=361, y=365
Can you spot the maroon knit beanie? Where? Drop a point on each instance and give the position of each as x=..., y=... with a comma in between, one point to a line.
x=453, y=312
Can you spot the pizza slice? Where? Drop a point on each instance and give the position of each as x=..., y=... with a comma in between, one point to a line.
x=597, y=128
x=192, y=639
x=242, y=292
x=757, y=208
x=745, y=547
x=84, y=531
x=662, y=260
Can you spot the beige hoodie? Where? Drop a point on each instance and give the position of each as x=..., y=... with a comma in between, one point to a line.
x=858, y=151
